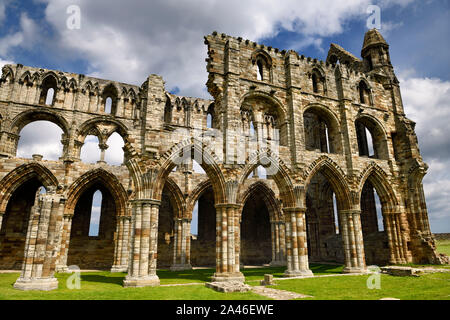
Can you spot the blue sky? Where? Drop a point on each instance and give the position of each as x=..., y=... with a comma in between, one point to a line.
x=128, y=42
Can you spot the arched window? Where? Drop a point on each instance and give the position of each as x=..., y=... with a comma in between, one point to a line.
x=114, y=155
x=364, y=93
x=194, y=221
x=168, y=112
x=262, y=64
x=48, y=91
x=209, y=120
x=371, y=211
x=110, y=97
x=317, y=133
x=335, y=212
x=314, y=81
x=40, y=137
x=108, y=105
x=371, y=139
x=96, y=210
x=50, y=96
x=318, y=82
x=260, y=71
x=210, y=117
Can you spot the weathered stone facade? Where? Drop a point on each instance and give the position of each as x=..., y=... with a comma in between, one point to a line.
x=306, y=121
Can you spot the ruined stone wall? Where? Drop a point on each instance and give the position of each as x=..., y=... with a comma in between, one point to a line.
x=301, y=118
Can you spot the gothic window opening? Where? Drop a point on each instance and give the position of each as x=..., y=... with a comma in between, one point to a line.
x=40, y=138
x=210, y=117
x=50, y=95
x=364, y=93
x=209, y=120
x=369, y=144
x=48, y=91
x=194, y=222
x=260, y=71
x=96, y=209
x=108, y=105
x=317, y=133
x=336, y=214
x=110, y=99
x=114, y=154
x=314, y=81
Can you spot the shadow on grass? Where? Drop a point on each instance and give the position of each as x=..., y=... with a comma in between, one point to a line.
x=106, y=278
x=204, y=275
x=186, y=276
x=318, y=268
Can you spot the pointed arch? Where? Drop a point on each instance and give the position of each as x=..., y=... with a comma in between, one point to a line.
x=25, y=78
x=379, y=179
x=176, y=198
x=26, y=117
x=107, y=179
x=18, y=176
x=195, y=195
x=325, y=114
x=209, y=162
x=268, y=196
x=378, y=133
x=276, y=169
x=335, y=176
x=7, y=73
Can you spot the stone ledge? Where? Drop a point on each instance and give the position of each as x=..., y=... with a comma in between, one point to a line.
x=149, y=281
x=228, y=286
x=36, y=284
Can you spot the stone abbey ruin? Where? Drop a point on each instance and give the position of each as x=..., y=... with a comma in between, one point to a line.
x=329, y=135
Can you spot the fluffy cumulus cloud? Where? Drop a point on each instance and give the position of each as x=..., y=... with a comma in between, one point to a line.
x=427, y=101
x=127, y=42
x=25, y=38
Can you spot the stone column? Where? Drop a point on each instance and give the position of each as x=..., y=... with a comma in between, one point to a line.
x=61, y=266
x=41, y=244
x=181, y=245
x=396, y=243
x=278, y=258
x=352, y=238
x=227, y=266
x=144, y=244
x=121, y=244
x=103, y=147
x=296, y=244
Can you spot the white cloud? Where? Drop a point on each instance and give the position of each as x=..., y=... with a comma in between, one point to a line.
x=25, y=38
x=127, y=43
x=3, y=62
x=427, y=101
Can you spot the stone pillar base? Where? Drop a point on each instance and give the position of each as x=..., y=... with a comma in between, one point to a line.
x=119, y=269
x=228, y=276
x=62, y=269
x=354, y=270
x=278, y=263
x=298, y=273
x=180, y=267
x=136, y=282
x=36, y=284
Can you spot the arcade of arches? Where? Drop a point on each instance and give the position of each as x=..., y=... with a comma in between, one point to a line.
x=324, y=196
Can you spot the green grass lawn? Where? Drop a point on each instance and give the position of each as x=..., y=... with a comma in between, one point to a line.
x=443, y=246
x=108, y=286
x=426, y=287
